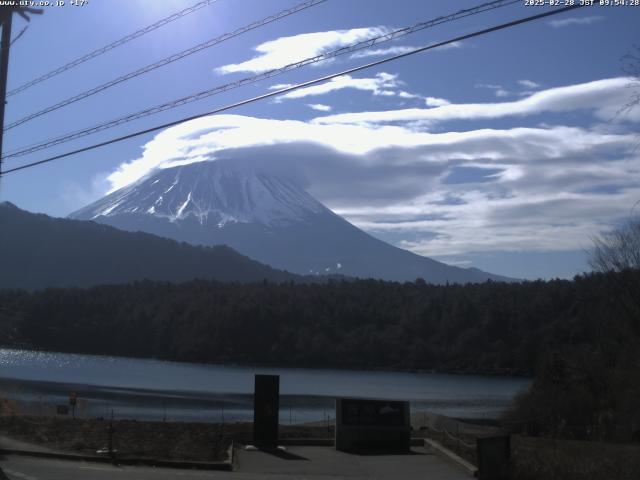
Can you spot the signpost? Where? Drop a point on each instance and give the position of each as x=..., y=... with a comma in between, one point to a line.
x=73, y=400
x=266, y=404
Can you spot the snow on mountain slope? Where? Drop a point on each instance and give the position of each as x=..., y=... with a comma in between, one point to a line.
x=268, y=218
x=211, y=192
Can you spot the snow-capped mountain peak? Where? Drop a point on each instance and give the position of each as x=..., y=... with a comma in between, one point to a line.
x=267, y=217
x=210, y=192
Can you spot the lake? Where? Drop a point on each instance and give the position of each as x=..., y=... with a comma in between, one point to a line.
x=155, y=389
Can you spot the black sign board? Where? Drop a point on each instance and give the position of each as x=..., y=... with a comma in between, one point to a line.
x=266, y=403
x=493, y=457
x=372, y=425
x=356, y=412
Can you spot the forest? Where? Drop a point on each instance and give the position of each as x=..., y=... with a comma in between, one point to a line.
x=490, y=328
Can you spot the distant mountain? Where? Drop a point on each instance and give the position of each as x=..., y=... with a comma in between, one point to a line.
x=38, y=251
x=266, y=217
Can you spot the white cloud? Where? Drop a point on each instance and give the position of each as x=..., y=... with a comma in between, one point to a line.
x=319, y=106
x=545, y=188
x=528, y=83
x=532, y=214
x=207, y=137
x=403, y=94
x=381, y=84
x=280, y=86
x=603, y=97
x=74, y=194
x=398, y=50
x=565, y=22
x=436, y=102
x=285, y=50
x=498, y=90
x=380, y=52
x=450, y=46
x=488, y=85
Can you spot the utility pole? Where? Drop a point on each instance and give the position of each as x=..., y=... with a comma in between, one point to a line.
x=5, y=44
x=6, y=17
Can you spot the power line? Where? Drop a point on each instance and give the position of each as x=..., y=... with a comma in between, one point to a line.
x=265, y=75
x=166, y=61
x=300, y=85
x=111, y=46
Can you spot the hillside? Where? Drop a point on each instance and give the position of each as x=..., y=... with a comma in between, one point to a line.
x=38, y=251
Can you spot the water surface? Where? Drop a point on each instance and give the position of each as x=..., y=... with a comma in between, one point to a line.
x=146, y=388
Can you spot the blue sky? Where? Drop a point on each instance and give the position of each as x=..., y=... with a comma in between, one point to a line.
x=503, y=152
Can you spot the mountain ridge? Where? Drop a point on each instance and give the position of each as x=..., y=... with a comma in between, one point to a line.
x=38, y=251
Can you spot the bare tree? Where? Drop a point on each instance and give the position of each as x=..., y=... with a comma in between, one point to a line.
x=617, y=254
x=631, y=66
x=618, y=249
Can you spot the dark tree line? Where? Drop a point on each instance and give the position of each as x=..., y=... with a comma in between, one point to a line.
x=483, y=328
x=590, y=390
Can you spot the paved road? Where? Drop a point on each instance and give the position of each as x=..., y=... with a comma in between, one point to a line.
x=29, y=468
x=312, y=463
x=326, y=462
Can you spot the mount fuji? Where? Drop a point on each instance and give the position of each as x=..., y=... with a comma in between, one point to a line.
x=267, y=217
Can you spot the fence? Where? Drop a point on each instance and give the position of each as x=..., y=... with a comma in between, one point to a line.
x=456, y=435
x=118, y=438
x=101, y=428
x=294, y=410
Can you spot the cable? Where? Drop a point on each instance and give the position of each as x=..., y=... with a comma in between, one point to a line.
x=111, y=46
x=300, y=85
x=24, y=29
x=166, y=61
x=265, y=75
x=271, y=73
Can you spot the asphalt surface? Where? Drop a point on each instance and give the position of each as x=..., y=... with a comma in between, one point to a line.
x=312, y=463
x=29, y=468
x=326, y=462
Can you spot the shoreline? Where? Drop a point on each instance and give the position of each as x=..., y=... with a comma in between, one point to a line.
x=479, y=373
x=34, y=397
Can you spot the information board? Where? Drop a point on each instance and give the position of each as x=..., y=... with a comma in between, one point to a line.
x=372, y=412
x=372, y=425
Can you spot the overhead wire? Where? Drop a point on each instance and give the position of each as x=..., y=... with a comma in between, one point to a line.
x=262, y=76
x=282, y=91
x=166, y=61
x=102, y=50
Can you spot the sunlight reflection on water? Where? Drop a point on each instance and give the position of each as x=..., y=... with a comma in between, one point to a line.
x=135, y=384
